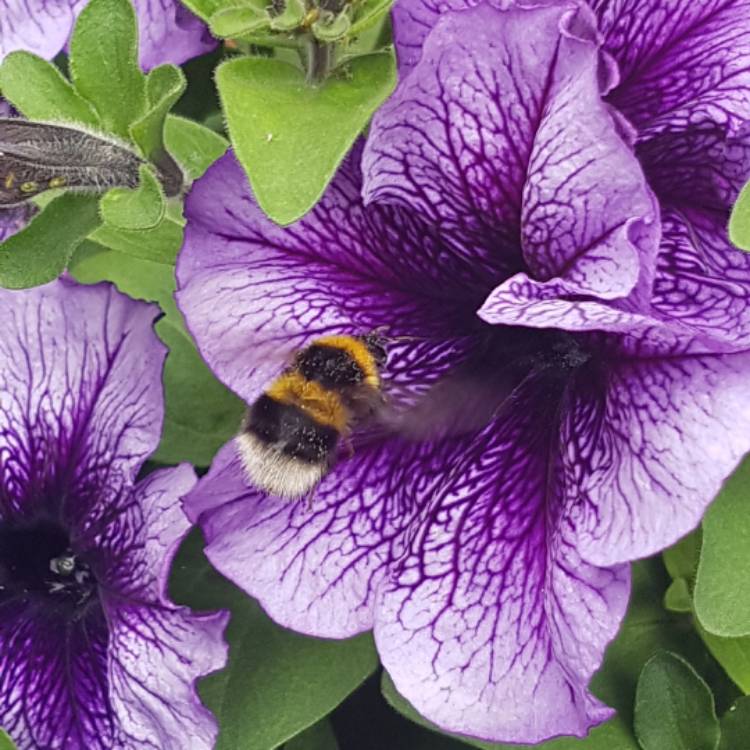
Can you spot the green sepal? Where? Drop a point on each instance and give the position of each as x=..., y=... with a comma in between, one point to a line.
x=104, y=63
x=239, y=21
x=674, y=708
x=739, y=221
x=37, y=89
x=135, y=208
x=291, y=17
x=331, y=28
x=290, y=137
x=6, y=743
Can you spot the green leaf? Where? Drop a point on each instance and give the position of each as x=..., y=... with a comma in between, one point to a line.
x=41, y=250
x=722, y=587
x=104, y=63
x=37, y=89
x=189, y=433
x=5, y=741
x=159, y=245
x=681, y=559
x=194, y=146
x=674, y=708
x=732, y=653
x=319, y=736
x=164, y=86
x=277, y=683
x=678, y=598
x=291, y=137
x=735, y=726
x=739, y=221
x=200, y=414
x=135, y=208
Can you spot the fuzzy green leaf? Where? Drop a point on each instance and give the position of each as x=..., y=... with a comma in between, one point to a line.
x=674, y=708
x=41, y=250
x=290, y=137
x=194, y=146
x=104, y=63
x=722, y=586
x=37, y=89
x=164, y=86
x=137, y=208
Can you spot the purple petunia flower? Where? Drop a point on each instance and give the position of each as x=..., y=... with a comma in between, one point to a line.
x=93, y=655
x=502, y=232
x=169, y=33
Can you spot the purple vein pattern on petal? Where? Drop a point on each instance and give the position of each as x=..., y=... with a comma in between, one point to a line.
x=492, y=618
x=158, y=650
x=317, y=570
x=169, y=33
x=499, y=137
x=634, y=495
x=682, y=62
x=80, y=410
x=253, y=292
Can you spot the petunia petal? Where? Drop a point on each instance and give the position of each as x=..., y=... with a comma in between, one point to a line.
x=491, y=624
x=157, y=650
x=80, y=396
x=169, y=33
x=53, y=679
x=39, y=26
x=682, y=62
x=252, y=292
x=655, y=450
x=501, y=122
x=317, y=569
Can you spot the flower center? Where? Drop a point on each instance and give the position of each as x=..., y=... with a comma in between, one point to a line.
x=37, y=562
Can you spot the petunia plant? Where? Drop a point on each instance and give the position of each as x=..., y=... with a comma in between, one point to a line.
x=523, y=226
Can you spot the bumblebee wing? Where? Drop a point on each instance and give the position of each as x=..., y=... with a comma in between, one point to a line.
x=458, y=404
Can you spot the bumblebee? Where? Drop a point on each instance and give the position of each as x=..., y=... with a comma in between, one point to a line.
x=291, y=434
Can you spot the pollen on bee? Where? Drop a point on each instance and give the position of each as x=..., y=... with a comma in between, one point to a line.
x=28, y=187
x=56, y=182
x=10, y=178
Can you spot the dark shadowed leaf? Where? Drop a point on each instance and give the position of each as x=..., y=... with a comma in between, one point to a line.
x=674, y=708
x=735, y=726
x=319, y=736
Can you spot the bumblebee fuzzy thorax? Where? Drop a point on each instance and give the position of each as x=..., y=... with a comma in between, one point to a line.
x=290, y=435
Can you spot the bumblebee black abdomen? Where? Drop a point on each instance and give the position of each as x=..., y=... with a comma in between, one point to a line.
x=288, y=440
x=286, y=427
x=330, y=366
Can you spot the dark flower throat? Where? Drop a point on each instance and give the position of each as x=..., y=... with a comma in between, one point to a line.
x=37, y=564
